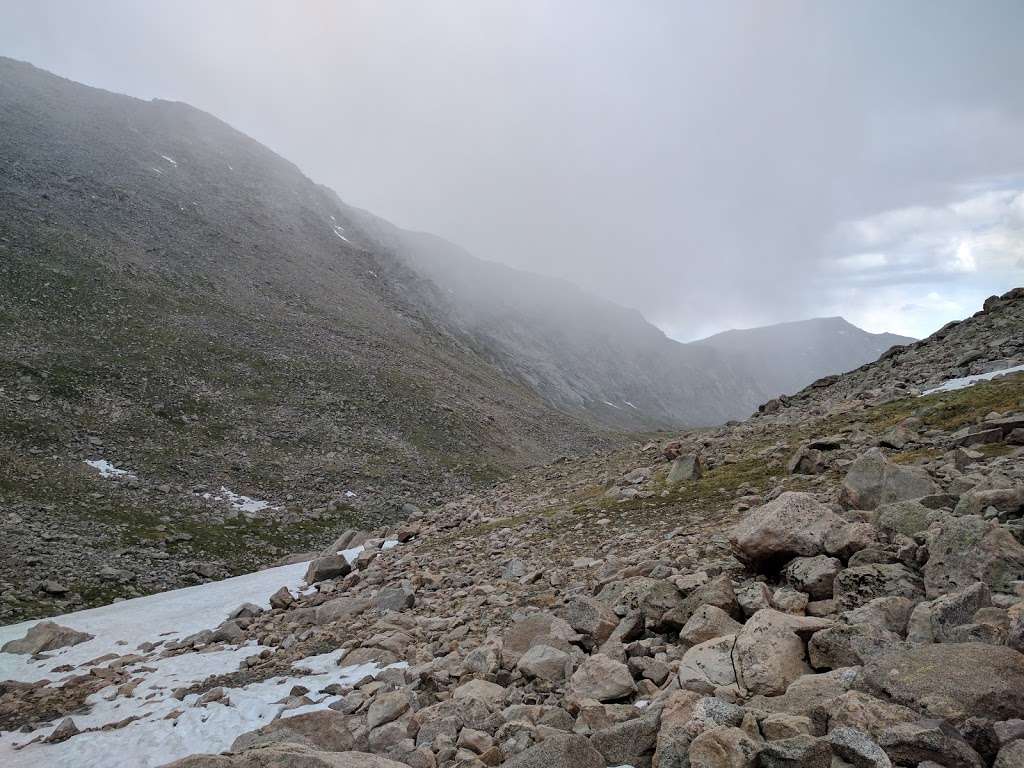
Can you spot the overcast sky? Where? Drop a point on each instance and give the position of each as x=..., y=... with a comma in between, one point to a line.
x=713, y=165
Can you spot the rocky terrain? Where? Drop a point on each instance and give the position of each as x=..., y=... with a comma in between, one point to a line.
x=208, y=361
x=837, y=581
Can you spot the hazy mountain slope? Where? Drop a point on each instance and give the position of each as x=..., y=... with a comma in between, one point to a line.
x=593, y=357
x=585, y=355
x=787, y=357
x=179, y=300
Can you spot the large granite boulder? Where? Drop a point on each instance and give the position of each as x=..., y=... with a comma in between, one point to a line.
x=793, y=525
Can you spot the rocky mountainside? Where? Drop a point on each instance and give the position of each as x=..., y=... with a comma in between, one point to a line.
x=785, y=358
x=836, y=582
x=180, y=302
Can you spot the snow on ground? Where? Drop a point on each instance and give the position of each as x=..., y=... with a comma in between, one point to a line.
x=239, y=502
x=106, y=469
x=120, y=628
x=630, y=404
x=154, y=740
x=170, y=160
x=613, y=405
x=339, y=231
x=967, y=381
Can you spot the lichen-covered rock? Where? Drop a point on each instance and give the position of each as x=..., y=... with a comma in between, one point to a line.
x=873, y=480
x=964, y=550
x=905, y=518
x=724, y=747
x=936, y=621
x=860, y=585
x=950, y=681
x=849, y=645
x=813, y=575
x=559, y=751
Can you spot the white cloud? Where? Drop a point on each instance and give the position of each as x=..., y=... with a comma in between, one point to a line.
x=912, y=269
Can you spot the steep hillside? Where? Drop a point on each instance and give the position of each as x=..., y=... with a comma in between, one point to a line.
x=178, y=300
x=786, y=357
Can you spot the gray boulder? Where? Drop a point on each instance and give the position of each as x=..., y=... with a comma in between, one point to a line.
x=793, y=525
x=45, y=636
x=329, y=567
x=950, y=681
x=860, y=585
x=323, y=730
x=813, y=575
x=873, y=480
x=602, y=678
x=559, y=751
x=964, y=550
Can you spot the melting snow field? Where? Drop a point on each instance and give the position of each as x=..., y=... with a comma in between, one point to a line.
x=106, y=469
x=962, y=383
x=236, y=500
x=120, y=628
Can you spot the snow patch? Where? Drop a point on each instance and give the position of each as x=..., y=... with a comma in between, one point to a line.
x=339, y=231
x=236, y=500
x=967, y=381
x=631, y=405
x=154, y=741
x=613, y=405
x=106, y=469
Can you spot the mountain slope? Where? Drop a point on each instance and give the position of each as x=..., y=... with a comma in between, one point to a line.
x=591, y=357
x=788, y=356
x=585, y=355
x=180, y=301
x=989, y=340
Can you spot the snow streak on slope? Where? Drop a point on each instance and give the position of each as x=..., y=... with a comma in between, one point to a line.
x=968, y=381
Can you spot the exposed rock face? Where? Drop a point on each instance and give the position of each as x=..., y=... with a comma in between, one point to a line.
x=951, y=681
x=46, y=636
x=873, y=480
x=965, y=550
x=603, y=679
x=326, y=730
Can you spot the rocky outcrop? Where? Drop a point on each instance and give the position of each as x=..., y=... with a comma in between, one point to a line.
x=45, y=636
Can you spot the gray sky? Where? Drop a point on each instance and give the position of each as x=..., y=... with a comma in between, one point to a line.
x=713, y=165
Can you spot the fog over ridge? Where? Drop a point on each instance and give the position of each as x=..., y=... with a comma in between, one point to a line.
x=712, y=167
